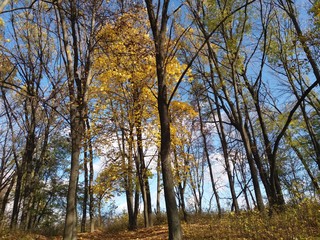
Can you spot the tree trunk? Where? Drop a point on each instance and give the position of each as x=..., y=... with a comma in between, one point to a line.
x=70, y=232
x=219, y=125
x=77, y=97
x=16, y=200
x=18, y=172
x=27, y=159
x=206, y=151
x=253, y=170
x=99, y=202
x=224, y=144
x=91, y=173
x=167, y=176
x=181, y=188
x=143, y=178
x=86, y=190
x=132, y=221
x=159, y=35
x=158, y=184
x=5, y=199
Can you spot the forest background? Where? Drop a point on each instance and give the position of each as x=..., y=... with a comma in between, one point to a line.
x=212, y=105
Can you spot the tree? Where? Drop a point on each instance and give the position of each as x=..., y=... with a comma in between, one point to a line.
x=124, y=62
x=78, y=32
x=182, y=116
x=34, y=91
x=198, y=91
x=159, y=30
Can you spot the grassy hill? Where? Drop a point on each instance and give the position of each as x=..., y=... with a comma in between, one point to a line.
x=298, y=222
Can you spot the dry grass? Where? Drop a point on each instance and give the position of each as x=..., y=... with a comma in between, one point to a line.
x=299, y=222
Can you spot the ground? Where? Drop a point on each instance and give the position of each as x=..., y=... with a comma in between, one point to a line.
x=156, y=232
x=299, y=222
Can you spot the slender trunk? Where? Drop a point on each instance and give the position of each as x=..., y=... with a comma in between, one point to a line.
x=142, y=189
x=183, y=205
x=303, y=40
x=233, y=110
x=132, y=224
x=16, y=200
x=38, y=174
x=252, y=151
x=99, y=211
x=307, y=168
x=220, y=128
x=276, y=197
x=5, y=199
x=136, y=206
x=242, y=182
x=143, y=178
x=224, y=144
x=149, y=204
x=194, y=192
x=86, y=190
x=206, y=151
x=246, y=197
x=200, y=187
x=91, y=173
x=18, y=171
x=253, y=170
x=181, y=189
x=158, y=184
x=312, y=134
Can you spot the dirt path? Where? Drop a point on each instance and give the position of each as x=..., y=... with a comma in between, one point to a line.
x=157, y=232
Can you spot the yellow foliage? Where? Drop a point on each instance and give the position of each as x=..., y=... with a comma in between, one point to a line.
x=125, y=53
x=181, y=113
x=108, y=181
x=125, y=64
x=1, y=22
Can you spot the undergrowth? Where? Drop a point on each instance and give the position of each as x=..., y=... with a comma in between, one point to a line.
x=294, y=222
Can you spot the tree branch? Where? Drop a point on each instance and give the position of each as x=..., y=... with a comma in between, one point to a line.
x=201, y=47
x=2, y=6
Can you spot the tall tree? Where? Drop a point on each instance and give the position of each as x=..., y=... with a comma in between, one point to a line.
x=159, y=23
x=78, y=32
x=126, y=43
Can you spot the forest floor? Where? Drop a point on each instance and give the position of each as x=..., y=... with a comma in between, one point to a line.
x=299, y=222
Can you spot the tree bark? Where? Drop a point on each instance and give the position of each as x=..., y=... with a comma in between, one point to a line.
x=158, y=184
x=159, y=35
x=77, y=97
x=86, y=189
x=142, y=173
x=91, y=175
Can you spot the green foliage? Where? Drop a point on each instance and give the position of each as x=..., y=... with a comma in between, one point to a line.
x=315, y=11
